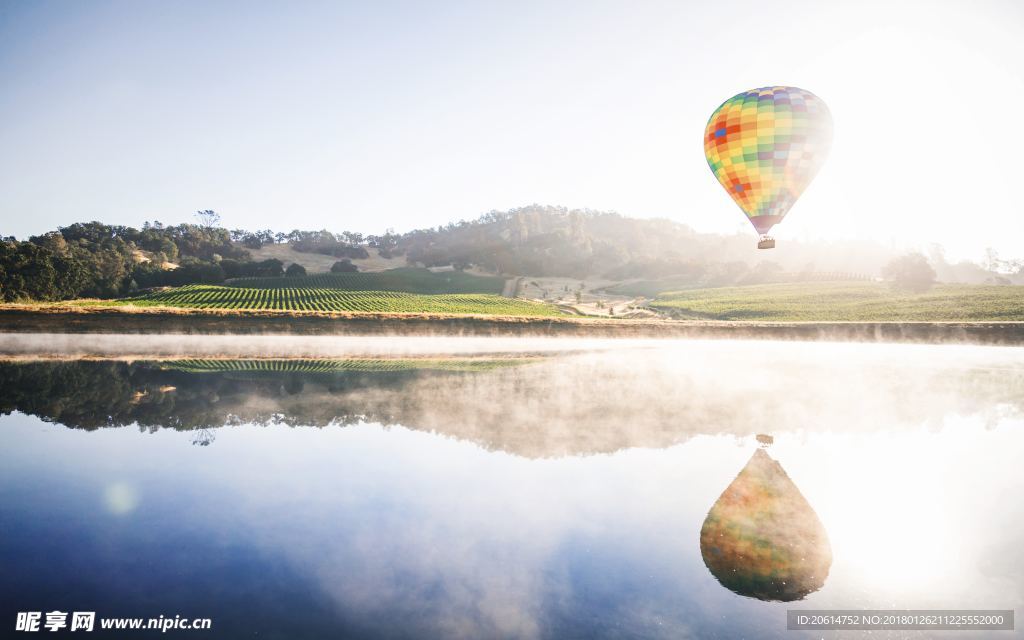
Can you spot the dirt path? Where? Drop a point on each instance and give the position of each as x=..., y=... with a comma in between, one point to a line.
x=510, y=287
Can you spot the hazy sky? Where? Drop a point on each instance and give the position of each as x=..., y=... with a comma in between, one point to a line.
x=373, y=114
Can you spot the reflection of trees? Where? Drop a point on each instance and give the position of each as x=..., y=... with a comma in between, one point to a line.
x=90, y=394
x=203, y=437
x=589, y=403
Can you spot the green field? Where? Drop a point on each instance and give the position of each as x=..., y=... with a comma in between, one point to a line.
x=408, y=280
x=199, y=296
x=844, y=301
x=650, y=288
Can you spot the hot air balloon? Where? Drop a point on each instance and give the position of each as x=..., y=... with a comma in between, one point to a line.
x=765, y=146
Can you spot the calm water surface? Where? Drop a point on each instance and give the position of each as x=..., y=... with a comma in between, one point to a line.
x=532, y=493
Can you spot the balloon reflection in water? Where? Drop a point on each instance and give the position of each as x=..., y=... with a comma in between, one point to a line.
x=762, y=539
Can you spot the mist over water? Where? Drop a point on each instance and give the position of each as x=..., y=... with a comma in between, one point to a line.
x=512, y=488
x=66, y=345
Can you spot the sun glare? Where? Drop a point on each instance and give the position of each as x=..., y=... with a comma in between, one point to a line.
x=921, y=146
x=891, y=525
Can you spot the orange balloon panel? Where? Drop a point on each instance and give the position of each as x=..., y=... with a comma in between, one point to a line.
x=765, y=146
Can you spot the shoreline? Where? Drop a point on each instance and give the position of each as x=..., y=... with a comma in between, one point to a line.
x=156, y=320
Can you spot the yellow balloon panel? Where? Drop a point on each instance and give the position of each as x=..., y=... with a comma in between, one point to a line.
x=765, y=146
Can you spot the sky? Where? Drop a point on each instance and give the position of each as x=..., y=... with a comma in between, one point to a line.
x=373, y=115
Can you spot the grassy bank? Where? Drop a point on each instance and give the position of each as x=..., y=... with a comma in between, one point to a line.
x=845, y=302
x=72, y=319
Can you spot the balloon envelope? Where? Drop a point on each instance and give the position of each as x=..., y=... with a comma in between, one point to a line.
x=765, y=146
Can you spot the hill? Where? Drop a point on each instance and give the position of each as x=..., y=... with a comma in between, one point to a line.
x=544, y=241
x=318, y=262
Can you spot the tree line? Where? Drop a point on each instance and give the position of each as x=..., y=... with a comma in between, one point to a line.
x=96, y=260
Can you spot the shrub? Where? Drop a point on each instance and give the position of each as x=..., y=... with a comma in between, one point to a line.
x=910, y=273
x=294, y=270
x=344, y=266
x=265, y=268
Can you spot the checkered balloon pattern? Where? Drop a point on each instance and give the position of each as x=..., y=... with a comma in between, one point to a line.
x=765, y=146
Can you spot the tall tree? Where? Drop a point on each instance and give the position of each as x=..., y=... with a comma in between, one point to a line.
x=208, y=218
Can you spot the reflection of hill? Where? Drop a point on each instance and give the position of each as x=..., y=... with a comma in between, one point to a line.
x=556, y=406
x=762, y=539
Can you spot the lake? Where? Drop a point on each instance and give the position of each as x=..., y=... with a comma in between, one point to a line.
x=410, y=488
